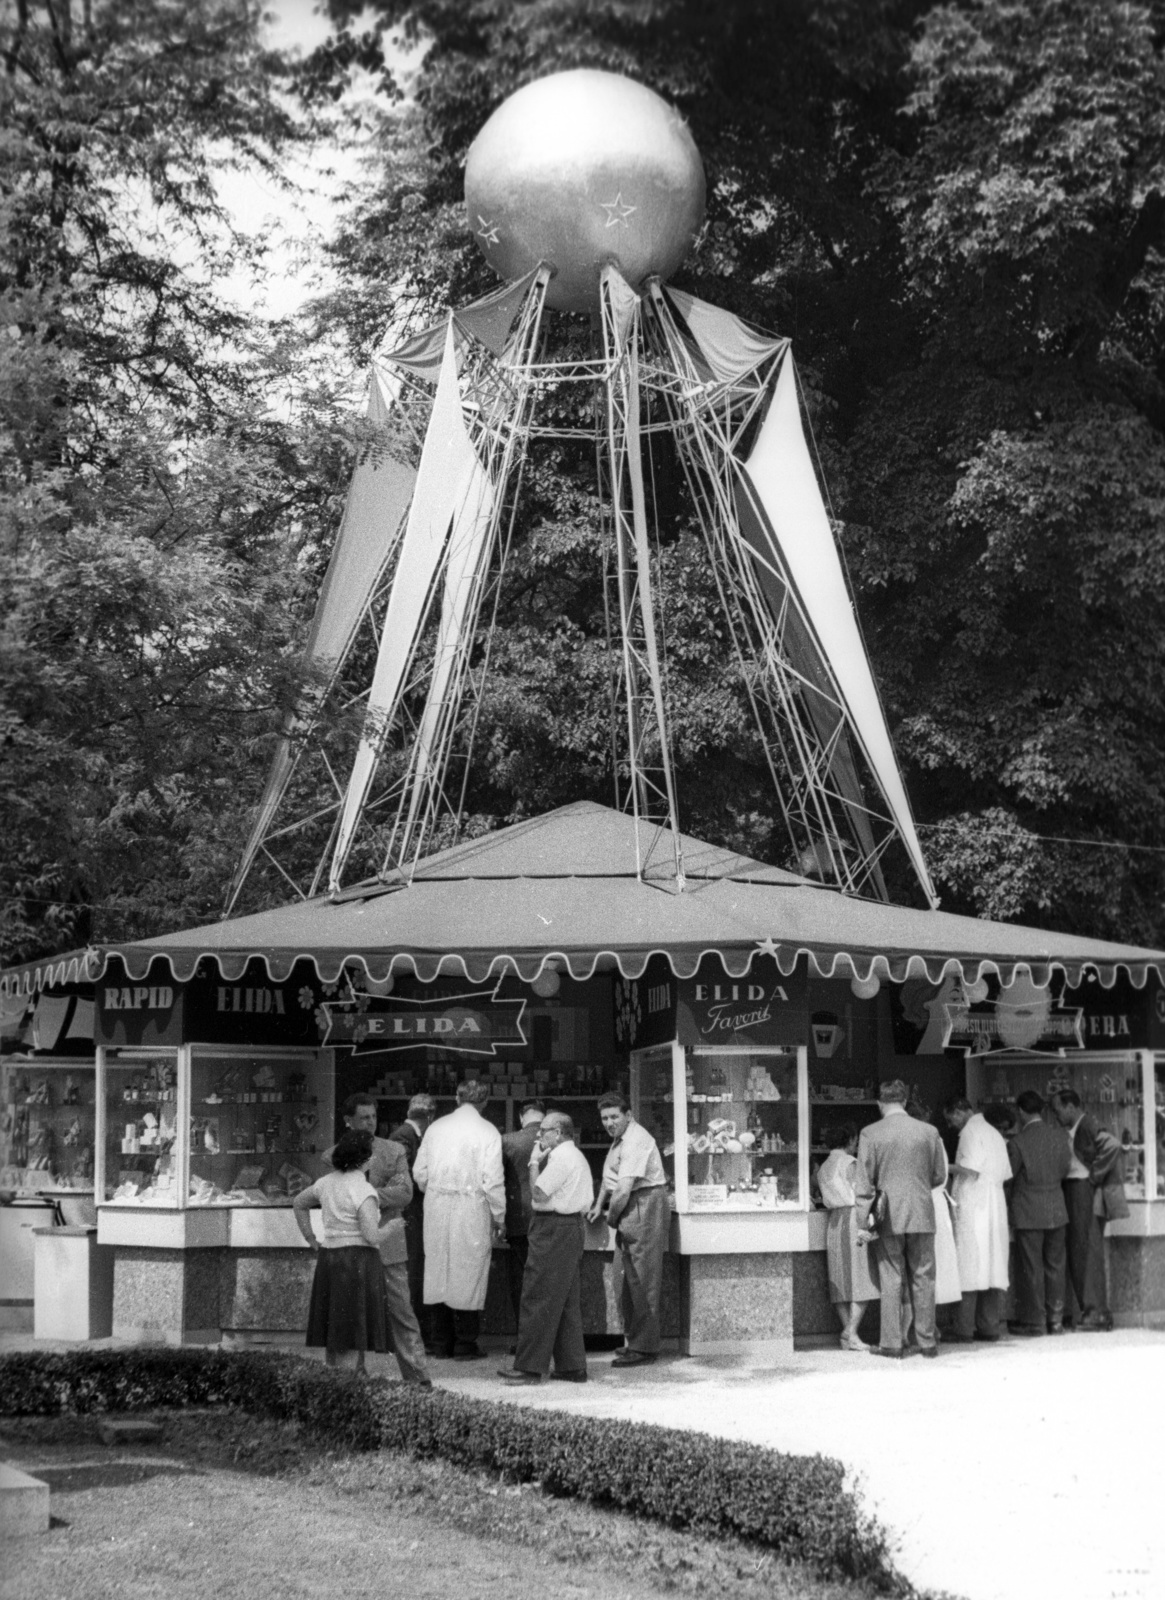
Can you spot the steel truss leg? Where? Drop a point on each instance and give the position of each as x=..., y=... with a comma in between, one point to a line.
x=653, y=792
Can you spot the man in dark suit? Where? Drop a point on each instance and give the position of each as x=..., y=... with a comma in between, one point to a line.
x=422, y=1110
x=904, y=1160
x=517, y=1148
x=1094, y=1194
x=1040, y=1157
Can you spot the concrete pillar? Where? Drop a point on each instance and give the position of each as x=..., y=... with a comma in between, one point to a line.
x=737, y=1305
x=166, y=1296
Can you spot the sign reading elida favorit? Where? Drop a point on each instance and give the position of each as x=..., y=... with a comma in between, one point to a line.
x=762, y=1008
x=472, y=1022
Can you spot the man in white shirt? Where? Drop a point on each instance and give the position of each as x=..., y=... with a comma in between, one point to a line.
x=550, y=1324
x=634, y=1199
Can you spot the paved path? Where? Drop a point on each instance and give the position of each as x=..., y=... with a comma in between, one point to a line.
x=1024, y=1471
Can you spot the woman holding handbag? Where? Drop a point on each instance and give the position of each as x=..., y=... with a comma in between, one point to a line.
x=849, y=1267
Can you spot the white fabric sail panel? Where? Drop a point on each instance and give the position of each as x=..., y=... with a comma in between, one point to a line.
x=374, y=513
x=780, y=470
x=468, y=543
x=378, y=498
x=731, y=348
x=446, y=472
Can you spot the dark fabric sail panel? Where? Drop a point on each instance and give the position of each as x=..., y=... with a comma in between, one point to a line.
x=817, y=692
x=489, y=320
x=728, y=348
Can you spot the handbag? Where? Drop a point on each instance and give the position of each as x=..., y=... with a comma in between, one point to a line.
x=879, y=1212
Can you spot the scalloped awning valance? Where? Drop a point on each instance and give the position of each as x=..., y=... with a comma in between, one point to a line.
x=563, y=889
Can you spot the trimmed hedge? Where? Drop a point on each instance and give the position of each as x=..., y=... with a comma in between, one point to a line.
x=796, y=1505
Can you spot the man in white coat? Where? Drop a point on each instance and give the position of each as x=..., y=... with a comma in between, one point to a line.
x=981, y=1168
x=459, y=1168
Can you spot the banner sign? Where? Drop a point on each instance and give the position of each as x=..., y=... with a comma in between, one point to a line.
x=471, y=1022
x=208, y=1010
x=929, y=1018
x=763, y=1008
x=998, y=1025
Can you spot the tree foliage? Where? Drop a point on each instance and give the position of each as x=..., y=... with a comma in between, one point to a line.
x=151, y=507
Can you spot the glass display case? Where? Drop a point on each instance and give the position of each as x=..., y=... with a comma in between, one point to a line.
x=139, y=1127
x=48, y=1117
x=1114, y=1088
x=732, y=1125
x=195, y=1125
x=260, y=1122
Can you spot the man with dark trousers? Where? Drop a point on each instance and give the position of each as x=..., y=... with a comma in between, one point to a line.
x=1094, y=1193
x=550, y=1323
x=517, y=1149
x=422, y=1110
x=633, y=1198
x=902, y=1159
x=1040, y=1158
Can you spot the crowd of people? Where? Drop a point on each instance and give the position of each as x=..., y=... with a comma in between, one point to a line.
x=409, y=1224
x=1023, y=1209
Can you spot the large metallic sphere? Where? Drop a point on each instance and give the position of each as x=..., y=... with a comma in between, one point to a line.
x=579, y=169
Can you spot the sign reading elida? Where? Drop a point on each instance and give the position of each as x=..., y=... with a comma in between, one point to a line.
x=470, y=1022
x=762, y=1008
x=253, y=1009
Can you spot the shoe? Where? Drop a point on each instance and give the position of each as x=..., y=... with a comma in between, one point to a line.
x=929, y=1351
x=1055, y=1327
x=440, y=1352
x=633, y=1358
x=891, y=1355
x=855, y=1344
x=468, y=1352
x=1022, y=1331
x=960, y=1338
x=570, y=1377
x=420, y=1383
x=1094, y=1322
x=987, y=1338
x=515, y=1376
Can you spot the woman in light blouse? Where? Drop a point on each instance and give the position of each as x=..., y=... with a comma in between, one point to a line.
x=348, y=1310
x=849, y=1268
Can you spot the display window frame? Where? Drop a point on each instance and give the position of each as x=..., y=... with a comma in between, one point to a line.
x=677, y=1163
x=51, y=1068
x=1143, y=1064
x=110, y=1058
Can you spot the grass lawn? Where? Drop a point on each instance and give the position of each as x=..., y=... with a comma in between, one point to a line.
x=232, y=1506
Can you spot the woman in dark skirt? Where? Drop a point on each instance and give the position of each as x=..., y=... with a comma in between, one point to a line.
x=347, y=1311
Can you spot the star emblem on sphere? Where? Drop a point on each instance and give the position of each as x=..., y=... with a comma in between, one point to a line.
x=617, y=210
x=488, y=230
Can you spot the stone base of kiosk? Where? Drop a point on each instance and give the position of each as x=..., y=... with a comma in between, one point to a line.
x=215, y=1278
